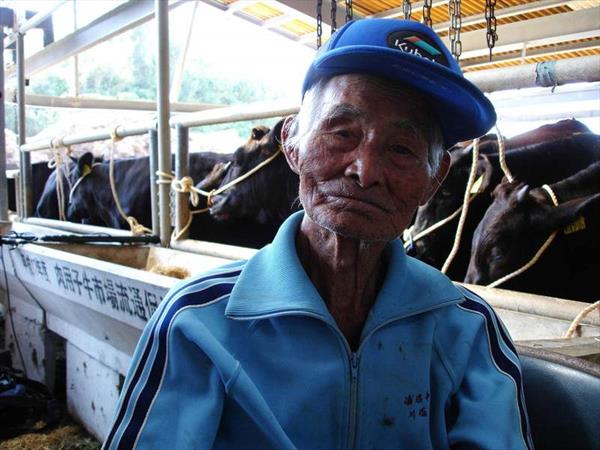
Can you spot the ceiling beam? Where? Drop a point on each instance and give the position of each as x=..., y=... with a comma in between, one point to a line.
x=308, y=11
x=547, y=30
x=394, y=12
x=123, y=18
x=505, y=12
x=530, y=53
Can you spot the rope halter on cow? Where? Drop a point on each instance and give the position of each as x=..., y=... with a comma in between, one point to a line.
x=134, y=225
x=465, y=207
x=63, y=171
x=502, y=155
x=539, y=253
x=186, y=185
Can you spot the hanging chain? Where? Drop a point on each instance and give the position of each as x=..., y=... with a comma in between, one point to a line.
x=406, y=9
x=349, y=13
x=333, y=16
x=455, y=26
x=319, y=22
x=490, y=20
x=427, y=13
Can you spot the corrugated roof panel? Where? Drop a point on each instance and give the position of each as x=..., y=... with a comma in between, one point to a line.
x=262, y=11
x=298, y=27
x=520, y=17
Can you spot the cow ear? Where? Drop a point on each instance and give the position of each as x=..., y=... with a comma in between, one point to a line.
x=274, y=139
x=567, y=213
x=214, y=178
x=84, y=164
x=259, y=132
x=484, y=172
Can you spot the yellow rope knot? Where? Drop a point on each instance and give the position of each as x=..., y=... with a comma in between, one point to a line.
x=186, y=186
x=209, y=198
x=137, y=229
x=114, y=134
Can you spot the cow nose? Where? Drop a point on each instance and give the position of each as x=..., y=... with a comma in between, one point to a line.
x=473, y=276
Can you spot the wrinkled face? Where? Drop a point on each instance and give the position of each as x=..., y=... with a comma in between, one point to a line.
x=363, y=162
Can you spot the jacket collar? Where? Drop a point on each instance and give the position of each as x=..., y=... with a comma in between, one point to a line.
x=273, y=282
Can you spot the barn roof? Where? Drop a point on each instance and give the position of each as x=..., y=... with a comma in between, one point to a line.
x=528, y=31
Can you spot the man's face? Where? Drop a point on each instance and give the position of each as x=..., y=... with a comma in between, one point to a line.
x=363, y=165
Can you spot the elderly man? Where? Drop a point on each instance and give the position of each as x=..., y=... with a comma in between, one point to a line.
x=331, y=337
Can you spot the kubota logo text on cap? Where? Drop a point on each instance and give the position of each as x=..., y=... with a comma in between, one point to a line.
x=417, y=45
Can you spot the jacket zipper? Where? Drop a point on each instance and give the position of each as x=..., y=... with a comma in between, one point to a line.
x=353, y=399
x=353, y=356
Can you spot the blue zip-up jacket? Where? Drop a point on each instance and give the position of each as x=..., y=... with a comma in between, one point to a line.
x=248, y=357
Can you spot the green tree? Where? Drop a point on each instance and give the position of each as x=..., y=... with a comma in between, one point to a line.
x=49, y=85
x=103, y=81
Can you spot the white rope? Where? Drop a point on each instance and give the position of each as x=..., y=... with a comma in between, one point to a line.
x=186, y=185
x=134, y=225
x=63, y=172
x=539, y=253
x=580, y=317
x=465, y=207
x=502, y=156
x=86, y=172
x=407, y=234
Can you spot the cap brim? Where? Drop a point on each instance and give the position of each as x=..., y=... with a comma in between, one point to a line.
x=463, y=111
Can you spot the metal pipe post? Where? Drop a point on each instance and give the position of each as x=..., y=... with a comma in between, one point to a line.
x=24, y=158
x=182, y=169
x=548, y=74
x=162, y=100
x=3, y=182
x=153, y=157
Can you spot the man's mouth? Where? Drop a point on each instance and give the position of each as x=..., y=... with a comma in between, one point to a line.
x=364, y=200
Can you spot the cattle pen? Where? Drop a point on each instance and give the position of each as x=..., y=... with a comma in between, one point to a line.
x=84, y=305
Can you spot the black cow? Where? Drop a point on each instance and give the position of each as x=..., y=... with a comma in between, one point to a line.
x=40, y=172
x=267, y=197
x=538, y=163
x=519, y=221
x=92, y=202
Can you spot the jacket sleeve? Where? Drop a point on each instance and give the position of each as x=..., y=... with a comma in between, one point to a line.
x=488, y=409
x=167, y=371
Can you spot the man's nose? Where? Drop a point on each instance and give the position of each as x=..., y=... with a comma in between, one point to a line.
x=365, y=168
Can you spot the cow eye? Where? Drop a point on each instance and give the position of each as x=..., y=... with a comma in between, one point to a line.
x=496, y=254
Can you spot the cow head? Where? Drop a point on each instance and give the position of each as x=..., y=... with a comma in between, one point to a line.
x=434, y=247
x=80, y=208
x=515, y=226
x=47, y=205
x=264, y=196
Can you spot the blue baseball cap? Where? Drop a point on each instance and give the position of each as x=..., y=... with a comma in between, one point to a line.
x=412, y=53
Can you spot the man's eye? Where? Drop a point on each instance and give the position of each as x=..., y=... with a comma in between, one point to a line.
x=401, y=150
x=343, y=134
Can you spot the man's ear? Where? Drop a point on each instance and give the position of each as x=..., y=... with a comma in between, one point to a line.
x=289, y=150
x=437, y=178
